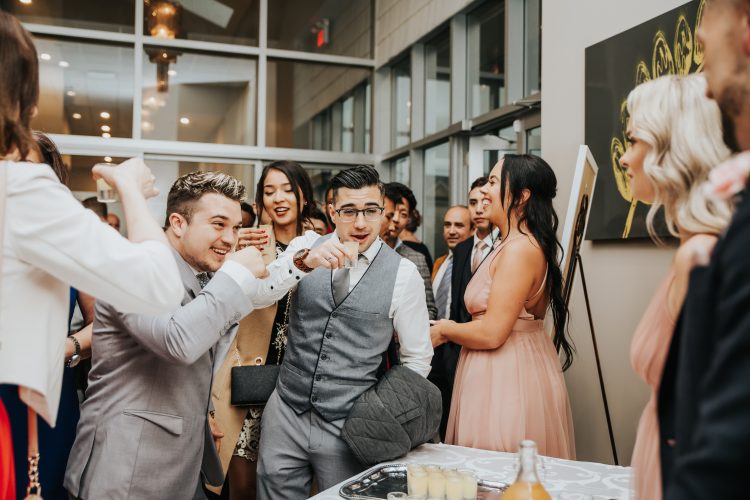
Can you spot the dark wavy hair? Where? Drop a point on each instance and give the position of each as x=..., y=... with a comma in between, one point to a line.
x=530, y=172
x=51, y=156
x=300, y=183
x=19, y=92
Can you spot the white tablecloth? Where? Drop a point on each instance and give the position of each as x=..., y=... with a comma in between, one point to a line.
x=598, y=480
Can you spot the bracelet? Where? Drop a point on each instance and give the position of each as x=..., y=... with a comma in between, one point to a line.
x=299, y=260
x=76, y=357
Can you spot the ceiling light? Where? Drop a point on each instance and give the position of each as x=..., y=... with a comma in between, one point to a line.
x=44, y=56
x=25, y=2
x=172, y=72
x=70, y=93
x=63, y=64
x=147, y=127
x=76, y=116
x=108, y=159
x=105, y=128
x=106, y=135
x=185, y=120
x=104, y=115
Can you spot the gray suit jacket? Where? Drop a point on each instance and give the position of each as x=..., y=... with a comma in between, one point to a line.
x=143, y=426
x=424, y=271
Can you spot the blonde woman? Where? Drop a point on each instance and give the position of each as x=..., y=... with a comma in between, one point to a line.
x=674, y=139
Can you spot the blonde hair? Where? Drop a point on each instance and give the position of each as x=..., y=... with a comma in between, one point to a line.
x=683, y=127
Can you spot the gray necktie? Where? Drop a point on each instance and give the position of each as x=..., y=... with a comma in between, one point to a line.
x=441, y=297
x=340, y=285
x=203, y=279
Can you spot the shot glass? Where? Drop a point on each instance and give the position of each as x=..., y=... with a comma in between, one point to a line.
x=269, y=251
x=436, y=484
x=416, y=482
x=104, y=192
x=396, y=495
x=469, y=483
x=352, y=252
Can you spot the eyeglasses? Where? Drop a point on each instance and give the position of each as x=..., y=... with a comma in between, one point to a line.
x=371, y=214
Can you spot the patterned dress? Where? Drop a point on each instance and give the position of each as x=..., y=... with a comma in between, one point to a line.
x=247, y=444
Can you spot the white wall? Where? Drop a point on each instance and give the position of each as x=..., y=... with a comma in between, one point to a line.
x=621, y=277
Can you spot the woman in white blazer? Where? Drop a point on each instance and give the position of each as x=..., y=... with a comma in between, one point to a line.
x=50, y=242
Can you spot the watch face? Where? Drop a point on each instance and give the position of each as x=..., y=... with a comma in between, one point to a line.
x=74, y=360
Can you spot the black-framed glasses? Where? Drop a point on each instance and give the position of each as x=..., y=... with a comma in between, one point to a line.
x=371, y=214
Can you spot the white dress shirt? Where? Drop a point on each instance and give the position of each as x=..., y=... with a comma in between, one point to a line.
x=489, y=240
x=408, y=305
x=50, y=244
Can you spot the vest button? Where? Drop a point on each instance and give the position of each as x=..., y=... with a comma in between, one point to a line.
x=318, y=377
x=314, y=398
x=324, y=356
x=334, y=314
x=328, y=335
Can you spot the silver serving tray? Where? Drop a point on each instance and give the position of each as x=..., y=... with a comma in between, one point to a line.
x=377, y=483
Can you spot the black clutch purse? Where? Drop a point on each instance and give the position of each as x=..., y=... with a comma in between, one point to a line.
x=253, y=384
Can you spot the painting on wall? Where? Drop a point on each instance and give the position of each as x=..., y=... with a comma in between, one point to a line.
x=663, y=45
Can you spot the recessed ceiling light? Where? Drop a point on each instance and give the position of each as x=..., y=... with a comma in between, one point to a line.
x=63, y=64
x=185, y=120
x=172, y=72
x=76, y=116
x=25, y=2
x=106, y=135
x=108, y=159
x=105, y=128
x=70, y=93
x=44, y=56
x=147, y=127
x=104, y=115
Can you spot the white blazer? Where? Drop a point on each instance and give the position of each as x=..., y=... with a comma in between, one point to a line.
x=51, y=243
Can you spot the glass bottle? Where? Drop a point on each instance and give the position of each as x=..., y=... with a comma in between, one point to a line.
x=527, y=485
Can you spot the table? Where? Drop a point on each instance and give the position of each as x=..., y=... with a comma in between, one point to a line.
x=601, y=481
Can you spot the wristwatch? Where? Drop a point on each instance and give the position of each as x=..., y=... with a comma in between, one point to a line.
x=76, y=357
x=299, y=260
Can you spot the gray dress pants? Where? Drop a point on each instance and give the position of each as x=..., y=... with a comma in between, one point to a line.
x=293, y=447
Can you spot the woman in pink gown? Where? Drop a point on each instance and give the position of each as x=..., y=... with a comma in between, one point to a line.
x=509, y=384
x=674, y=139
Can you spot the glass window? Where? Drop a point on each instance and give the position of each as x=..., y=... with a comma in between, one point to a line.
x=437, y=60
x=317, y=106
x=342, y=27
x=401, y=103
x=486, y=58
x=533, y=41
x=81, y=182
x=436, y=193
x=492, y=156
x=198, y=97
x=85, y=88
x=118, y=16
x=534, y=141
x=225, y=21
x=401, y=172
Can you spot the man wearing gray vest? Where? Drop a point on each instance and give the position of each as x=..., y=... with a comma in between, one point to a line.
x=340, y=322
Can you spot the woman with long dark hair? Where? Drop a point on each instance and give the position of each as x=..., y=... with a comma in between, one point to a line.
x=509, y=384
x=285, y=195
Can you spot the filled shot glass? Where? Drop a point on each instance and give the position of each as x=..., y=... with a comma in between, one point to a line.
x=269, y=250
x=104, y=192
x=352, y=254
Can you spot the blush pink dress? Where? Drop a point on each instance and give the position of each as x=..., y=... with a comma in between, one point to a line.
x=515, y=392
x=648, y=353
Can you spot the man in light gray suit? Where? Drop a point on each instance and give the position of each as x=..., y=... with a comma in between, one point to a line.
x=144, y=427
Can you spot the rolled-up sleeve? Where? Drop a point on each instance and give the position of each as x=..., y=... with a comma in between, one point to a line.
x=51, y=230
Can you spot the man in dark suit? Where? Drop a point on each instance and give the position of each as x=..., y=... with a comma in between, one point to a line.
x=704, y=398
x=470, y=251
